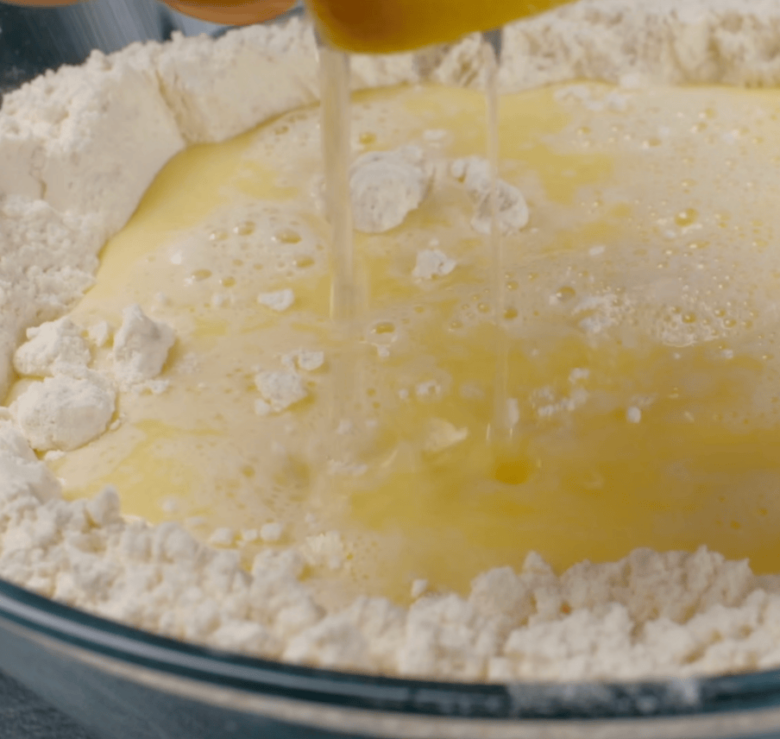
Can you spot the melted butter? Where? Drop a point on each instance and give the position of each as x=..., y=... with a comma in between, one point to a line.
x=618, y=318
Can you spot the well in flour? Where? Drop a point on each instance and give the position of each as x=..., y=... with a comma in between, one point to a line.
x=649, y=614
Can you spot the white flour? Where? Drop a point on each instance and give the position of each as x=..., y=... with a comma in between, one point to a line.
x=279, y=300
x=432, y=263
x=77, y=150
x=141, y=347
x=49, y=345
x=280, y=390
x=512, y=214
x=309, y=361
x=65, y=412
x=386, y=186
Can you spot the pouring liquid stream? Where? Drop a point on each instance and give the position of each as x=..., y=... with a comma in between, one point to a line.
x=611, y=409
x=347, y=287
x=500, y=431
x=510, y=465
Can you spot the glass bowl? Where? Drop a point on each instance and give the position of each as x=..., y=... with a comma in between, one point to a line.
x=122, y=683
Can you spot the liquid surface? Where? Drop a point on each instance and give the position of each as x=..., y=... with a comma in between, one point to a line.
x=642, y=341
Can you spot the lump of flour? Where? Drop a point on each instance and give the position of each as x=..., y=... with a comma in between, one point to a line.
x=432, y=263
x=278, y=300
x=324, y=550
x=51, y=344
x=141, y=347
x=386, y=186
x=441, y=435
x=100, y=333
x=305, y=359
x=65, y=412
x=474, y=173
x=279, y=391
x=21, y=471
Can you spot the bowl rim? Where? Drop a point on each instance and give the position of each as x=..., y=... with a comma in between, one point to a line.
x=525, y=701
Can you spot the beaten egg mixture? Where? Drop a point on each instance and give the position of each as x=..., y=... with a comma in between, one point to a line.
x=641, y=329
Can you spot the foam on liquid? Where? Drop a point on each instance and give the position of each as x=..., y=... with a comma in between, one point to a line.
x=642, y=351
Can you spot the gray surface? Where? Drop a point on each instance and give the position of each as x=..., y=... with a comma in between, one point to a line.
x=24, y=716
x=34, y=39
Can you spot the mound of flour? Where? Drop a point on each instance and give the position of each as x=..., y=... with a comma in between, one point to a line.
x=77, y=150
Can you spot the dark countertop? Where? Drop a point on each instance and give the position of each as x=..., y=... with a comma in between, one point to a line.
x=34, y=39
x=24, y=716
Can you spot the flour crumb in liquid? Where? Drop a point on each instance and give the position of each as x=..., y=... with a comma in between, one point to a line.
x=306, y=360
x=324, y=550
x=474, y=173
x=100, y=333
x=279, y=391
x=279, y=300
x=443, y=435
x=141, y=347
x=50, y=344
x=428, y=390
x=65, y=412
x=432, y=263
x=583, y=94
x=386, y=186
x=634, y=414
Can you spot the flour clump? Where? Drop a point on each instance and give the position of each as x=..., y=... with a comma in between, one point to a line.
x=100, y=333
x=474, y=173
x=65, y=412
x=432, y=263
x=141, y=347
x=50, y=344
x=386, y=186
x=305, y=359
x=279, y=391
x=279, y=300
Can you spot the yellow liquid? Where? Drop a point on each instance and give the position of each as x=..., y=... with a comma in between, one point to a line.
x=632, y=295
x=384, y=26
